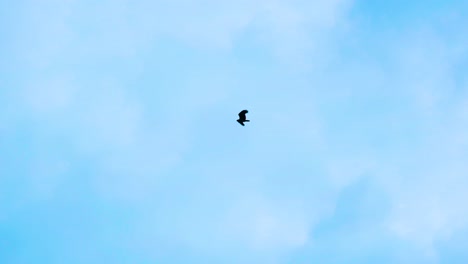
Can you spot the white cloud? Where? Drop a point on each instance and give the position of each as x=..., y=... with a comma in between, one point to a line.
x=43, y=33
x=425, y=181
x=267, y=226
x=49, y=96
x=126, y=28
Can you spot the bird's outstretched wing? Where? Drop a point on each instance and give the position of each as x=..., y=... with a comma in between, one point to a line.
x=242, y=114
x=242, y=117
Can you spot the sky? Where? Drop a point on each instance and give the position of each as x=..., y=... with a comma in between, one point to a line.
x=119, y=141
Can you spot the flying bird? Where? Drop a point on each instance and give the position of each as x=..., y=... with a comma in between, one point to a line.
x=242, y=117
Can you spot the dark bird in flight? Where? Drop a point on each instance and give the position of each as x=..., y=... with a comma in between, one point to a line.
x=242, y=117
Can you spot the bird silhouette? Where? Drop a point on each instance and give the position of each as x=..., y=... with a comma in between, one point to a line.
x=242, y=117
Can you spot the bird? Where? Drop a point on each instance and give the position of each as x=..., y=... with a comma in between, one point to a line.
x=242, y=117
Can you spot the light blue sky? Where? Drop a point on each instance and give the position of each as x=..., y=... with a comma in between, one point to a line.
x=119, y=142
